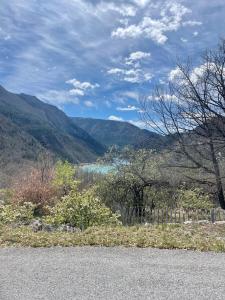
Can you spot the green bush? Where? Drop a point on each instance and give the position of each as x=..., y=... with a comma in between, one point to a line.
x=5, y=196
x=81, y=210
x=64, y=177
x=194, y=199
x=22, y=214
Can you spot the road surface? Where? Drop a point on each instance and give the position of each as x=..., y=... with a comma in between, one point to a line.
x=110, y=273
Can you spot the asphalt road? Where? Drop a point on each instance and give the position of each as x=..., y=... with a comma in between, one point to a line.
x=110, y=273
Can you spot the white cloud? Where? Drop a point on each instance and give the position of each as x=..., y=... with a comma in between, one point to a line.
x=192, y=23
x=124, y=21
x=80, y=88
x=167, y=97
x=174, y=74
x=141, y=3
x=131, y=31
x=132, y=71
x=115, y=118
x=131, y=75
x=137, y=76
x=76, y=92
x=115, y=71
x=177, y=75
x=195, y=33
x=81, y=85
x=58, y=97
x=130, y=95
x=199, y=71
x=184, y=40
x=155, y=29
x=108, y=103
x=128, y=108
x=7, y=37
x=170, y=97
x=123, y=9
x=135, y=56
x=138, y=123
x=89, y=103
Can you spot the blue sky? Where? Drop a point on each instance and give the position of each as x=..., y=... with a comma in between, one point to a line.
x=97, y=58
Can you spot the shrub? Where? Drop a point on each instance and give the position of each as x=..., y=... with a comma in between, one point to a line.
x=5, y=196
x=32, y=188
x=64, y=177
x=194, y=199
x=17, y=213
x=81, y=209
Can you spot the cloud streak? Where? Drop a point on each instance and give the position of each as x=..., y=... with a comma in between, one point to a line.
x=116, y=50
x=156, y=28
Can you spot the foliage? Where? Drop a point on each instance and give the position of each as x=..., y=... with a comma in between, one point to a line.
x=81, y=209
x=32, y=188
x=64, y=177
x=5, y=196
x=196, y=118
x=193, y=199
x=161, y=197
x=137, y=172
x=209, y=237
x=17, y=213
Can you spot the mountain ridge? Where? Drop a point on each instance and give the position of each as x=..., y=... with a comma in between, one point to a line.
x=109, y=133
x=29, y=126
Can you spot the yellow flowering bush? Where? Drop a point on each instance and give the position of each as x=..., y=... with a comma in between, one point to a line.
x=11, y=213
x=81, y=209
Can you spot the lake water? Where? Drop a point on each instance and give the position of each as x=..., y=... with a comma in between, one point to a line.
x=97, y=168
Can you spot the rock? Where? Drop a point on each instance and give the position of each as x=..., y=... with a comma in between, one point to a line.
x=72, y=229
x=15, y=225
x=48, y=228
x=77, y=230
x=188, y=222
x=37, y=226
x=69, y=228
x=202, y=222
x=219, y=222
x=62, y=228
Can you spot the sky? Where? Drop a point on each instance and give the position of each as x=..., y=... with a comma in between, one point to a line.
x=96, y=58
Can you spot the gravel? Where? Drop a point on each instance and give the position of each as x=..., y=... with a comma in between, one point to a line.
x=110, y=273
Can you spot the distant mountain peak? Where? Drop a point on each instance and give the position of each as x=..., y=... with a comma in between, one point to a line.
x=112, y=132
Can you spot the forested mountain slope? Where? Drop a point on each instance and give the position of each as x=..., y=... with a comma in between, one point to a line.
x=122, y=134
x=28, y=126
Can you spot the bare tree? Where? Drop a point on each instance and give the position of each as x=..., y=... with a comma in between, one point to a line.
x=135, y=172
x=45, y=165
x=192, y=109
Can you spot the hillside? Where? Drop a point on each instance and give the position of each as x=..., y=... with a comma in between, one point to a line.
x=122, y=134
x=27, y=126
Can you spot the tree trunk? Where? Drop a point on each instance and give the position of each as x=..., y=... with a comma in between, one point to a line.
x=221, y=197
x=219, y=186
x=138, y=202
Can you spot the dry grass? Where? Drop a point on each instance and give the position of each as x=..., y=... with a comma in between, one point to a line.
x=195, y=237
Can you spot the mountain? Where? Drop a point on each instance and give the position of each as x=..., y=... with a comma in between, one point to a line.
x=122, y=134
x=28, y=126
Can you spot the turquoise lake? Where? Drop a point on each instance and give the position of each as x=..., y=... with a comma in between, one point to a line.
x=97, y=168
